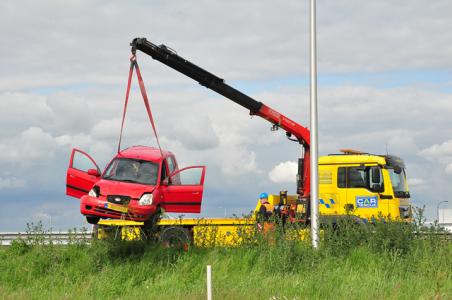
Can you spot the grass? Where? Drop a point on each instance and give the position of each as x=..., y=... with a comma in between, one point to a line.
x=387, y=262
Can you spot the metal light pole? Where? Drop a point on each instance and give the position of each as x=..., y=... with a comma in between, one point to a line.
x=313, y=137
x=437, y=209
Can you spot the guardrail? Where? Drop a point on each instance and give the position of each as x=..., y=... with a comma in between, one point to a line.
x=62, y=238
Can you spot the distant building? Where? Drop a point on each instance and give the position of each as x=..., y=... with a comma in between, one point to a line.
x=445, y=218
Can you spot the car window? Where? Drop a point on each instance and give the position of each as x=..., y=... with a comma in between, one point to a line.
x=171, y=164
x=357, y=177
x=190, y=176
x=341, y=177
x=353, y=177
x=131, y=170
x=82, y=162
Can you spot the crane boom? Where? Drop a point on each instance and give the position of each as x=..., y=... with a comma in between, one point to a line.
x=170, y=58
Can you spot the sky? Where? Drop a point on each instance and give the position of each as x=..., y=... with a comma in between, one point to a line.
x=385, y=86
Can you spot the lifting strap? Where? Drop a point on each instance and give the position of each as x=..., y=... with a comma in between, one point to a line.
x=134, y=65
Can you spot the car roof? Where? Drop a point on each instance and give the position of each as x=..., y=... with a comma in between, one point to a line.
x=144, y=153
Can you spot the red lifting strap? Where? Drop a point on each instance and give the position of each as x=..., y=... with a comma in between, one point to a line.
x=134, y=64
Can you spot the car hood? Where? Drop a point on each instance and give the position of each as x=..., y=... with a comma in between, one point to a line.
x=134, y=190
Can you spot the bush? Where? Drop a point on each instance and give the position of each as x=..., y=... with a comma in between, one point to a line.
x=381, y=260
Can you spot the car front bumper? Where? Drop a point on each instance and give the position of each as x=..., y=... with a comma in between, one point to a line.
x=100, y=207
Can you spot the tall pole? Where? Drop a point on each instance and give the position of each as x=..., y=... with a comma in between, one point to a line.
x=313, y=137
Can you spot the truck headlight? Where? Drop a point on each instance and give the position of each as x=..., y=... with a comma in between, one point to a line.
x=93, y=193
x=146, y=199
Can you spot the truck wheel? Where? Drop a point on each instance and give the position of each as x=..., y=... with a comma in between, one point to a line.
x=175, y=237
x=92, y=220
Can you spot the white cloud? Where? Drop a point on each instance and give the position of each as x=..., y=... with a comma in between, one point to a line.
x=235, y=158
x=11, y=183
x=70, y=113
x=266, y=39
x=449, y=169
x=439, y=152
x=416, y=182
x=109, y=129
x=284, y=172
x=195, y=132
x=33, y=145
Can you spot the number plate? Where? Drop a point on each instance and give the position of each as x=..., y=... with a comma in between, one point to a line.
x=116, y=207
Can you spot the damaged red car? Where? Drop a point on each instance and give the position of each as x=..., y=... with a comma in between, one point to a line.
x=138, y=184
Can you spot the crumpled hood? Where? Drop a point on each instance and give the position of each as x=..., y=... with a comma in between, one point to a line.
x=134, y=190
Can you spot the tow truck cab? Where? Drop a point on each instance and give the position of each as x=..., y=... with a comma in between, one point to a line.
x=365, y=185
x=137, y=183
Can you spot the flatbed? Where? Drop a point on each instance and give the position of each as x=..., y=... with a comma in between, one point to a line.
x=195, y=231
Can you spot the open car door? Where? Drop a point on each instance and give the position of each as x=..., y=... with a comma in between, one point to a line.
x=81, y=175
x=182, y=191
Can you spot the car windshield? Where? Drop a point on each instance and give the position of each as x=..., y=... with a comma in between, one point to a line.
x=398, y=181
x=131, y=170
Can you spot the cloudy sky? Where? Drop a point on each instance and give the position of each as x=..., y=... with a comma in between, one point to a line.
x=385, y=84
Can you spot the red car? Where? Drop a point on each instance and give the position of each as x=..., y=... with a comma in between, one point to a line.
x=137, y=184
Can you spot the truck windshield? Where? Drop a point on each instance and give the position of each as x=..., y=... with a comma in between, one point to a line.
x=131, y=170
x=398, y=182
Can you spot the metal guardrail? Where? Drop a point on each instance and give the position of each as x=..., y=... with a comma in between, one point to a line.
x=447, y=235
x=63, y=238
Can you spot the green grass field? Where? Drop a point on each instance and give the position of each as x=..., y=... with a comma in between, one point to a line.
x=389, y=263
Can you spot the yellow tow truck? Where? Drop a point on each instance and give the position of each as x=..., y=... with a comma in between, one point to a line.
x=353, y=184
x=364, y=185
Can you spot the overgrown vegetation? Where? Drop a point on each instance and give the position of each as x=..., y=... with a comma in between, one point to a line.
x=386, y=260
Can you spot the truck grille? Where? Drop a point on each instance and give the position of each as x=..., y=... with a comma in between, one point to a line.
x=118, y=199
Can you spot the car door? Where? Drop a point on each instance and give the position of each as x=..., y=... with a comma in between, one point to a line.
x=366, y=202
x=78, y=181
x=182, y=191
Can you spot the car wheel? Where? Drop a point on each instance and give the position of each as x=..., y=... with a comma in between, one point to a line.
x=92, y=220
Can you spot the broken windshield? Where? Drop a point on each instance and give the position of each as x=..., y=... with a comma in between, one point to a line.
x=131, y=170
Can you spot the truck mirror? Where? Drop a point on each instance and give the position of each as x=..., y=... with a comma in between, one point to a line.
x=376, y=175
x=397, y=169
x=377, y=188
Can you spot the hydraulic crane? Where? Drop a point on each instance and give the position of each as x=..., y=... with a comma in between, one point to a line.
x=294, y=131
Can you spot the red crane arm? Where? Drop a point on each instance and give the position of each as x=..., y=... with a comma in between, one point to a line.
x=292, y=127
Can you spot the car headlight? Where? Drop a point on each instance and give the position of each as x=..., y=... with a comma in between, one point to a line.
x=146, y=199
x=93, y=193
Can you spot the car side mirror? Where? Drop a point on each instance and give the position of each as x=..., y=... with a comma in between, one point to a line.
x=93, y=172
x=165, y=181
